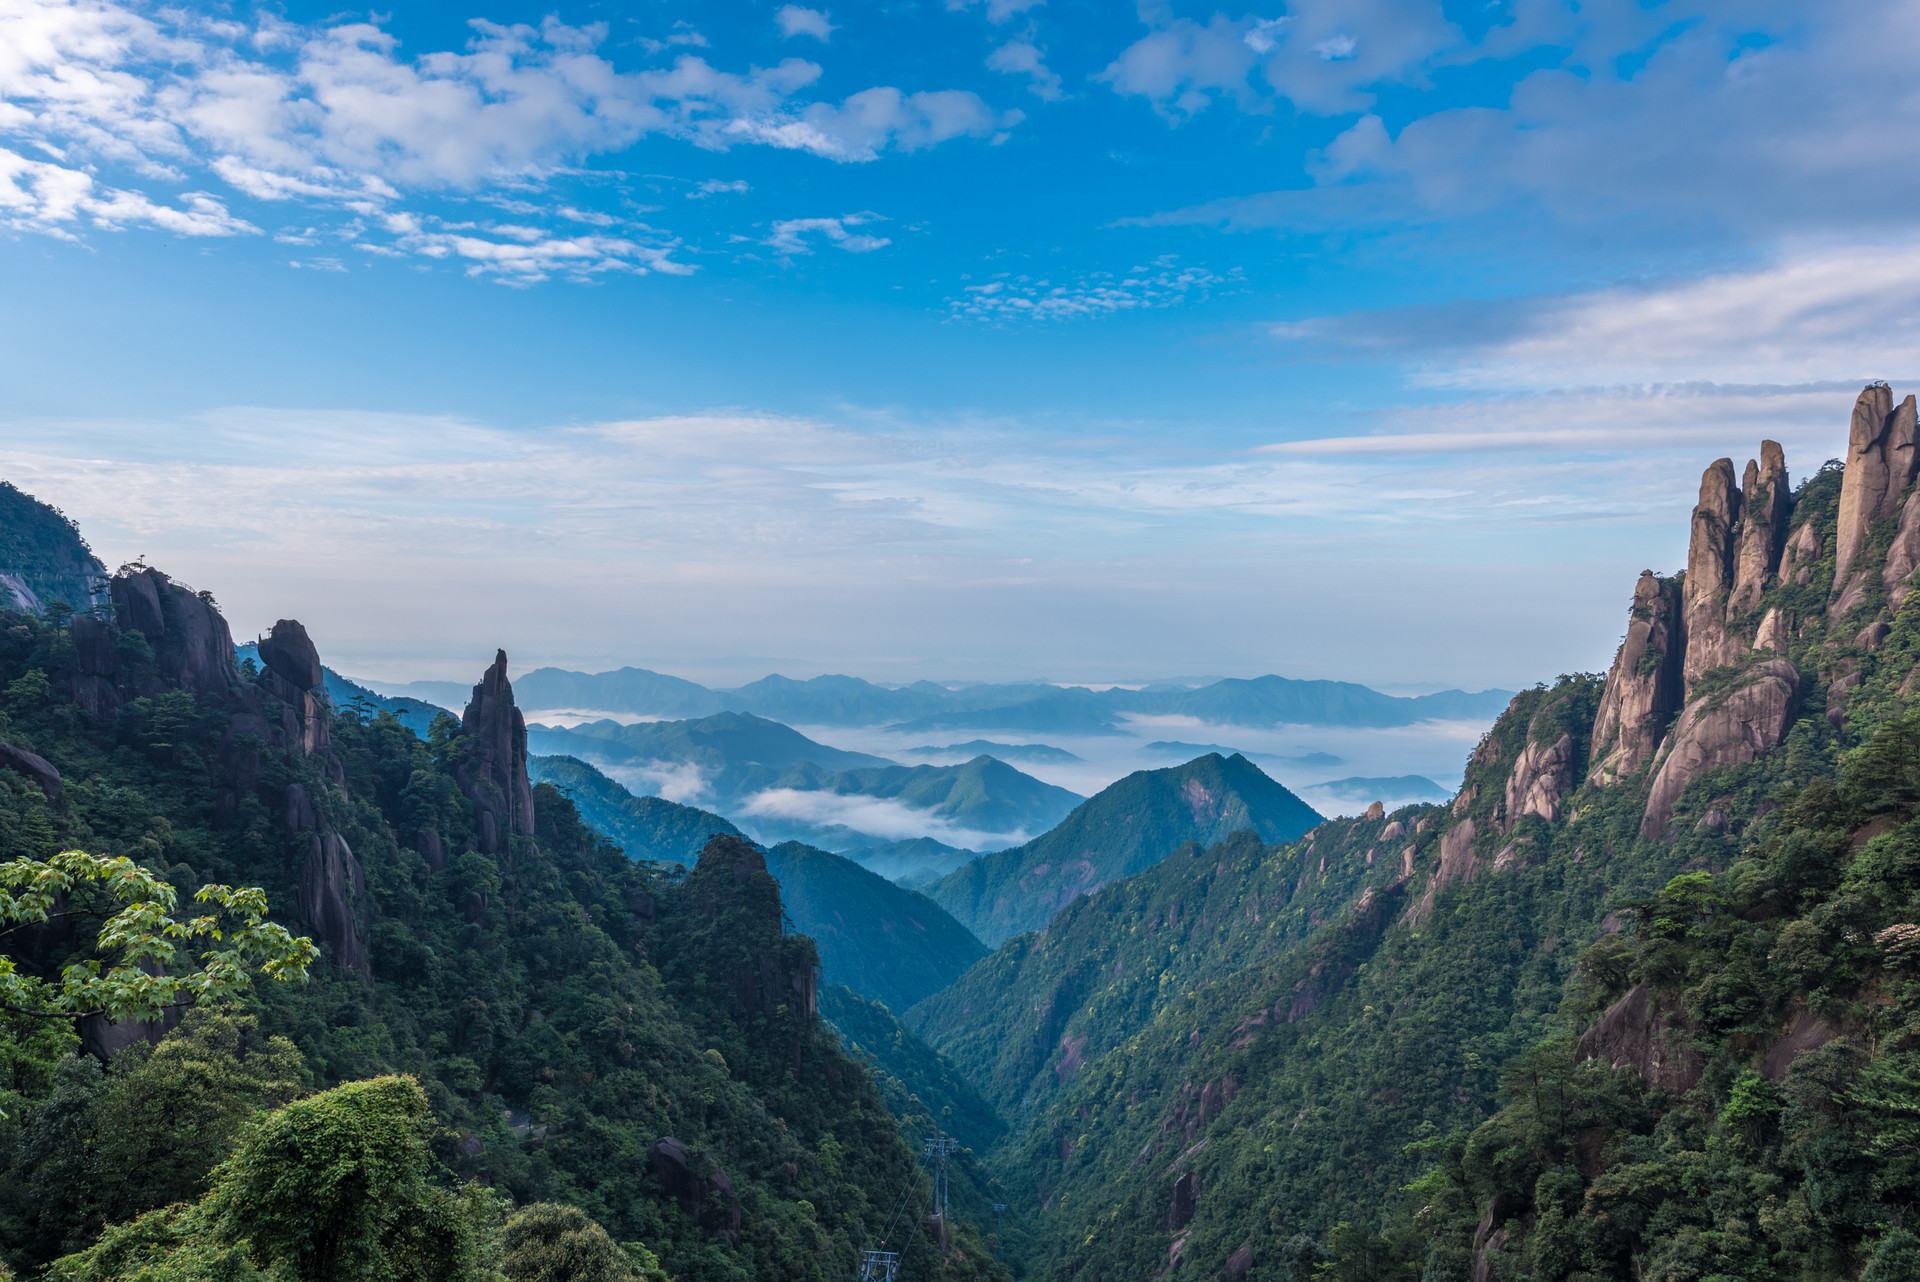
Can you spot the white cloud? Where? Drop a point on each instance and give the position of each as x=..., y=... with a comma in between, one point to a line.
x=1181, y=66
x=881, y=817
x=998, y=11
x=795, y=20
x=790, y=236
x=36, y=195
x=1813, y=313
x=872, y=121
x=337, y=115
x=1697, y=122
x=1161, y=283
x=717, y=187
x=1024, y=58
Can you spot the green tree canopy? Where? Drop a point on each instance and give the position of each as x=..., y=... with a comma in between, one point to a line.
x=127, y=977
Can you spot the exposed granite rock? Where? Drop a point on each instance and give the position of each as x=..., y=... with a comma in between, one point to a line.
x=1873, y=635
x=33, y=766
x=1800, y=556
x=1710, y=574
x=1377, y=810
x=1880, y=466
x=289, y=651
x=1903, y=557
x=1541, y=777
x=191, y=643
x=1805, y=1032
x=1393, y=831
x=1772, y=633
x=1766, y=499
x=1721, y=730
x=1648, y=1032
x=1644, y=688
x=332, y=895
x=493, y=772
x=1457, y=863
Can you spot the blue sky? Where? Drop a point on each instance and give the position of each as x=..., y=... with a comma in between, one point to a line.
x=1378, y=339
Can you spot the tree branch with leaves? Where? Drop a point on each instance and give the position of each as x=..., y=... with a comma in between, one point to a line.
x=134, y=969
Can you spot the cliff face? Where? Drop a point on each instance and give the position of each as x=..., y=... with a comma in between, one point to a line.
x=1715, y=666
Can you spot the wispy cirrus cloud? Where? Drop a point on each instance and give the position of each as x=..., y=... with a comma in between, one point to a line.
x=1813, y=313
x=1165, y=282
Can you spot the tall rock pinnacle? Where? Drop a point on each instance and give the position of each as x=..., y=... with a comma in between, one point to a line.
x=494, y=770
x=1643, y=690
x=1880, y=466
x=1766, y=500
x=1710, y=573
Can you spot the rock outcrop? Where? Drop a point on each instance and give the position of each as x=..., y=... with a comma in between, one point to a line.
x=333, y=900
x=191, y=643
x=33, y=766
x=1648, y=1032
x=1644, y=688
x=289, y=652
x=1709, y=579
x=493, y=771
x=1766, y=500
x=1541, y=778
x=1903, y=557
x=1729, y=729
x=1880, y=466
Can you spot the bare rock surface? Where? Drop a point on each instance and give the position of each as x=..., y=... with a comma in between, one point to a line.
x=1646, y=1031
x=1644, y=688
x=1799, y=557
x=1721, y=730
x=1541, y=777
x=191, y=642
x=1766, y=500
x=1903, y=557
x=1880, y=466
x=1710, y=574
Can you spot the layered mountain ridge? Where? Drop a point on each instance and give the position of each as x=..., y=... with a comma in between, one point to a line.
x=1616, y=941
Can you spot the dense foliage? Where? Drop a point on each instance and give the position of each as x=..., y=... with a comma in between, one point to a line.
x=557, y=1002
x=42, y=550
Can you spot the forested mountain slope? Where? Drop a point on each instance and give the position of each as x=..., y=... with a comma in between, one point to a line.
x=1129, y=825
x=883, y=941
x=1022, y=1021
x=639, y=1042
x=43, y=559
x=1718, y=1087
x=645, y=827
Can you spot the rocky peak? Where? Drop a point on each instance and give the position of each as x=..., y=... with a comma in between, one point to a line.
x=1710, y=564
x=1881, y=459
x=191, y=643
x=1766, y=500
x=288, y=651
x=493, y=771
x=1644, y=688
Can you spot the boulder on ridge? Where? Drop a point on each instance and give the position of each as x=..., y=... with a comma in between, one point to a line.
x=1723, y=729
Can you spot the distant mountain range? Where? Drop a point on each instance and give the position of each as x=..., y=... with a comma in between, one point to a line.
x=1026, y=706
x=1036, y=753
x=1393, y=791
x=780, y=785
x=1129, y=826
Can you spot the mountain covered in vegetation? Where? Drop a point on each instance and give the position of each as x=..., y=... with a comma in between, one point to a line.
x=1128, y=826
x=1635, y=1005
x=638, y=1040
x=644, y=827
x=43, y=559
x=779, y=785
